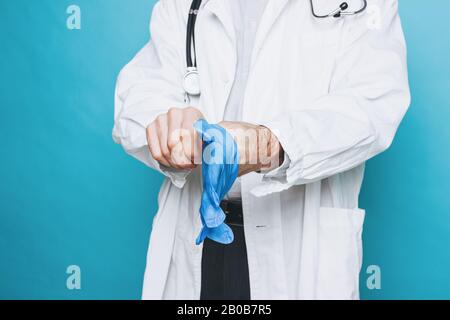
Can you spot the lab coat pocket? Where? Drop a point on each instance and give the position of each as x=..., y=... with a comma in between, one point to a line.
x=339, y=253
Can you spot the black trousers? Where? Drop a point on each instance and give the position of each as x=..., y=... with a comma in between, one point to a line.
x=225, y=267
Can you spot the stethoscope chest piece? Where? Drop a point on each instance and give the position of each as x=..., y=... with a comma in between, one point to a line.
x=191, y=81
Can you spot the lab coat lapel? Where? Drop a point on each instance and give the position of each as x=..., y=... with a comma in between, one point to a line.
x=221, y=9
x=217, y=55
x=271, y=13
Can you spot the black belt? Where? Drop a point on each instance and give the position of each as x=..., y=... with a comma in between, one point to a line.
x=233, y=211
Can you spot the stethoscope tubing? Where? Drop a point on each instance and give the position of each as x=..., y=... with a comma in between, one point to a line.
x=190, y=34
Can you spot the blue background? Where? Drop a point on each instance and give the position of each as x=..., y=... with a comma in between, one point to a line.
x=68, y=195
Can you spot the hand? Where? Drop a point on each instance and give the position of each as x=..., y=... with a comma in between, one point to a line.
x=259, y=149
x=172, y=140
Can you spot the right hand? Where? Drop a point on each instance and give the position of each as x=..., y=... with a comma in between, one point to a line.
x=172, y=140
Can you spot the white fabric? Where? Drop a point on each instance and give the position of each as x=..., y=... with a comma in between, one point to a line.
x=246, y=16
x=334, y=92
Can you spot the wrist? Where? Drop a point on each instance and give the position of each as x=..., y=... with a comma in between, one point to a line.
x=259, y=149
x=271, y=151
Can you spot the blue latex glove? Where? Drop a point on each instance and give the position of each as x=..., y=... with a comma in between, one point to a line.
x=220, y=167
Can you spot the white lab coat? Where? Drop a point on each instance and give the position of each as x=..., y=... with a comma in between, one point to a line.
x=334, y=92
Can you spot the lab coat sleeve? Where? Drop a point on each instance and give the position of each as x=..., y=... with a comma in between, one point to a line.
x=358, y=118
x=148, y=86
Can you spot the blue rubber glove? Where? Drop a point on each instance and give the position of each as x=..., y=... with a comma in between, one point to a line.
x=220, y=167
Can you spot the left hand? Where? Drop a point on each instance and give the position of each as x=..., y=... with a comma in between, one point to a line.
x=259, y=149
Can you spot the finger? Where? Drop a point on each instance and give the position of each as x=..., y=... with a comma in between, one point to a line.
x=153, y=145
x=180, y=158
x=189, y=135
x=177, y=156
x=162, y=129
x=192, y=144
x=187, y=138
x=198, y=148
x=174, y=120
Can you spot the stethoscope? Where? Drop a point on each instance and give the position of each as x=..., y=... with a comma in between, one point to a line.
x=191, y=81
x=340, y=11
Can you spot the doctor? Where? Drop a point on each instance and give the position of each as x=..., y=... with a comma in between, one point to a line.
x=325, y=94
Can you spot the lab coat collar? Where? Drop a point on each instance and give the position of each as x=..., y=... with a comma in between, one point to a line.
x=221, y=9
